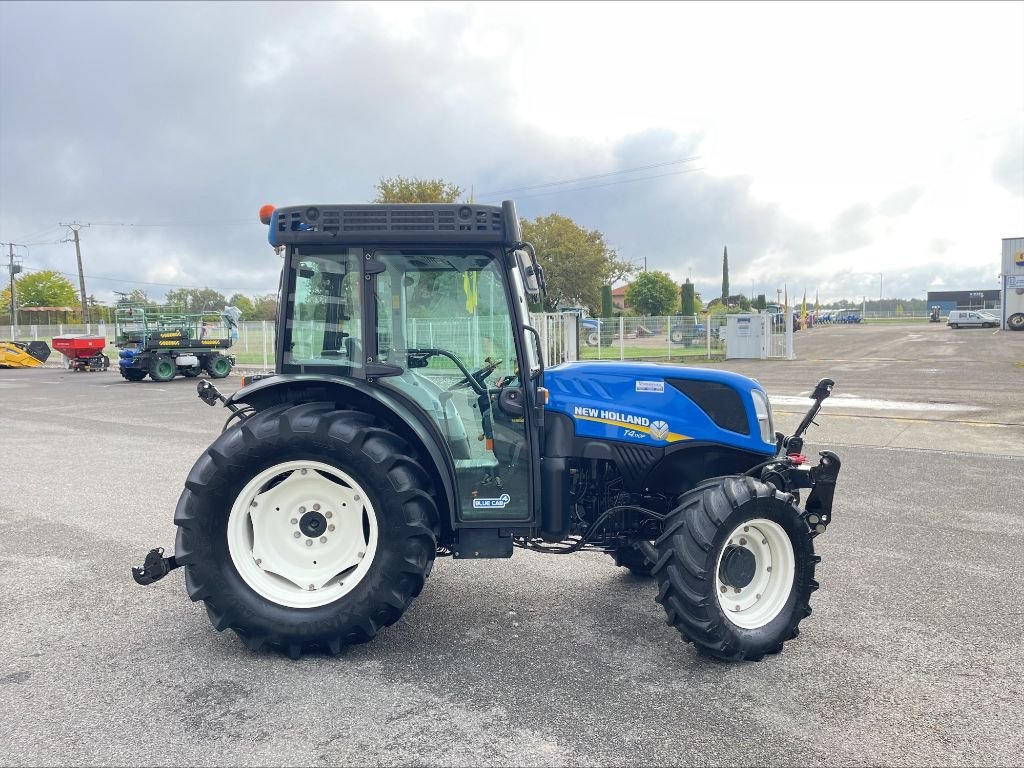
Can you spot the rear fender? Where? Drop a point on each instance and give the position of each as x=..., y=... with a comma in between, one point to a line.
x=403, y=417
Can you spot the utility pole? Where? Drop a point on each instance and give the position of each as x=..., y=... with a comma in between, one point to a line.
x=13, y=270
x=81, y=274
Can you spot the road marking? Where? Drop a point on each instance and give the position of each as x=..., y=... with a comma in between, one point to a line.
x=873, y=404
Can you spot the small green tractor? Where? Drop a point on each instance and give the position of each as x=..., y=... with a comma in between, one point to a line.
x=162, y=342
x=411, y=417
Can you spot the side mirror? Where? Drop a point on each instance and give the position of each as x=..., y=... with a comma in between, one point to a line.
x=532, y=275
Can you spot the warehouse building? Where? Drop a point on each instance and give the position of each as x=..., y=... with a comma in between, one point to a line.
x=947, y=300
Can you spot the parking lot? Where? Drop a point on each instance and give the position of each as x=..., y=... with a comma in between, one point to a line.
x=912, y=656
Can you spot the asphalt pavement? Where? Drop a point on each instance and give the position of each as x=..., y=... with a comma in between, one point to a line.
x=912, y=656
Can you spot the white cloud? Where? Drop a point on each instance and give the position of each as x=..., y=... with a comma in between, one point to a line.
x=835, y=141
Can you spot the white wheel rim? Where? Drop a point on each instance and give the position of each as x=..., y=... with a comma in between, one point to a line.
x=756, y=604
x=271, y=546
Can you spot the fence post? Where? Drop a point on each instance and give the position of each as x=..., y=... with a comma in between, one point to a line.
x=622, y=339
x=264, y=336
x=707, y=333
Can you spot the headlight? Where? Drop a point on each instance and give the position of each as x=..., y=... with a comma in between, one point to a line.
x=764, y=415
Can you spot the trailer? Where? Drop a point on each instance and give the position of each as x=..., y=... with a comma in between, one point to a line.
x=82, y=352
x=162, y=342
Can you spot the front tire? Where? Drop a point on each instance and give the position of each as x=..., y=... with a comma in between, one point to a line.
x=162, y=368
x=1015, y=322
x=736, y=569
x=630, y=557
x=261, y=551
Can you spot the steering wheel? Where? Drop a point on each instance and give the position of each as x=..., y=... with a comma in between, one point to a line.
x=477, y=377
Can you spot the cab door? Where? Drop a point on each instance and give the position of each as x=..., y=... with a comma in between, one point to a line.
x=447, y=320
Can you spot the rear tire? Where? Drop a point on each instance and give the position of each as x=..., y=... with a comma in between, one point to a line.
x=593, y=339
x=249, y=552
x=676, y=337
x=133, y=374
x=1015, y=322
x=736, y=569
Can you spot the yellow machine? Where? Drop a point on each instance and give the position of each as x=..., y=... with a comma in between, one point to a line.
x=23, y=354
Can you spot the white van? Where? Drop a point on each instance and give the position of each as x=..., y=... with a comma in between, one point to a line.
x=959, y=318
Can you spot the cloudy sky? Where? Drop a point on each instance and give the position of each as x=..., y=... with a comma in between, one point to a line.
x=831, y=146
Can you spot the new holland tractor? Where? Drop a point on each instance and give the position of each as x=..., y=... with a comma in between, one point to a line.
x=411, y=416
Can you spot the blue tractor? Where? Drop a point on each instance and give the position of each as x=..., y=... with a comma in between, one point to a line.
x=411, y=417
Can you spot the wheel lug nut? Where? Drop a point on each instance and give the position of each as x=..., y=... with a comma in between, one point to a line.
x=743, y=542
x=309, y=542
x=297, y=534
x=258, y=561
x=757, y=597
x=316, y=507
x=302, y=510
x=723, y=588
x=330, y=527
x=294, y=520
x=769, y=569
x=355, y=497
x=323, y=539
x=328, y=513
x=311, y=587
x=764, y=541
x=304, y=471
x=738, y=590
x=746, y=528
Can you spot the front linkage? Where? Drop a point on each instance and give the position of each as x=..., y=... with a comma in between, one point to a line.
x=791, y=473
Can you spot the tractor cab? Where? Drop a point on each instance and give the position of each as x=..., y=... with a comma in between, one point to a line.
x=426, y=307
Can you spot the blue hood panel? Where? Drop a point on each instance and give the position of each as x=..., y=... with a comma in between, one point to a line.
x=633, y=402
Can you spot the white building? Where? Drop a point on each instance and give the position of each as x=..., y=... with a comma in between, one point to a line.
x=1012, y=281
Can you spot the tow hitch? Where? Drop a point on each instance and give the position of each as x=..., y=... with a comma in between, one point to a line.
x=155, y=567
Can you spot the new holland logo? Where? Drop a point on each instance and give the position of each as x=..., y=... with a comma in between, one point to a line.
x=659, y=430
x=1018, y=258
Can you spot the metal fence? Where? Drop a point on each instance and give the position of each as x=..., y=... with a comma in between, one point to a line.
x=563, y=337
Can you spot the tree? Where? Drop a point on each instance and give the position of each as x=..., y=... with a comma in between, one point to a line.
x=653, y=293
x=725, y=276
x=607, y=306
x=43, y=289
x=244, y=303
x=576, y=261
x=416, y=190
x=135, y=296
x=196, y=299
x=264, y=307
x=687, y=295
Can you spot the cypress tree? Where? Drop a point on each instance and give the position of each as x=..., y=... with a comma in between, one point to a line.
x=725, y=276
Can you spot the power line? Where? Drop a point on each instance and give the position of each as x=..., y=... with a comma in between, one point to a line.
x=591, y=178
x=609, y=184
x=220, y=223
x=120, y=280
